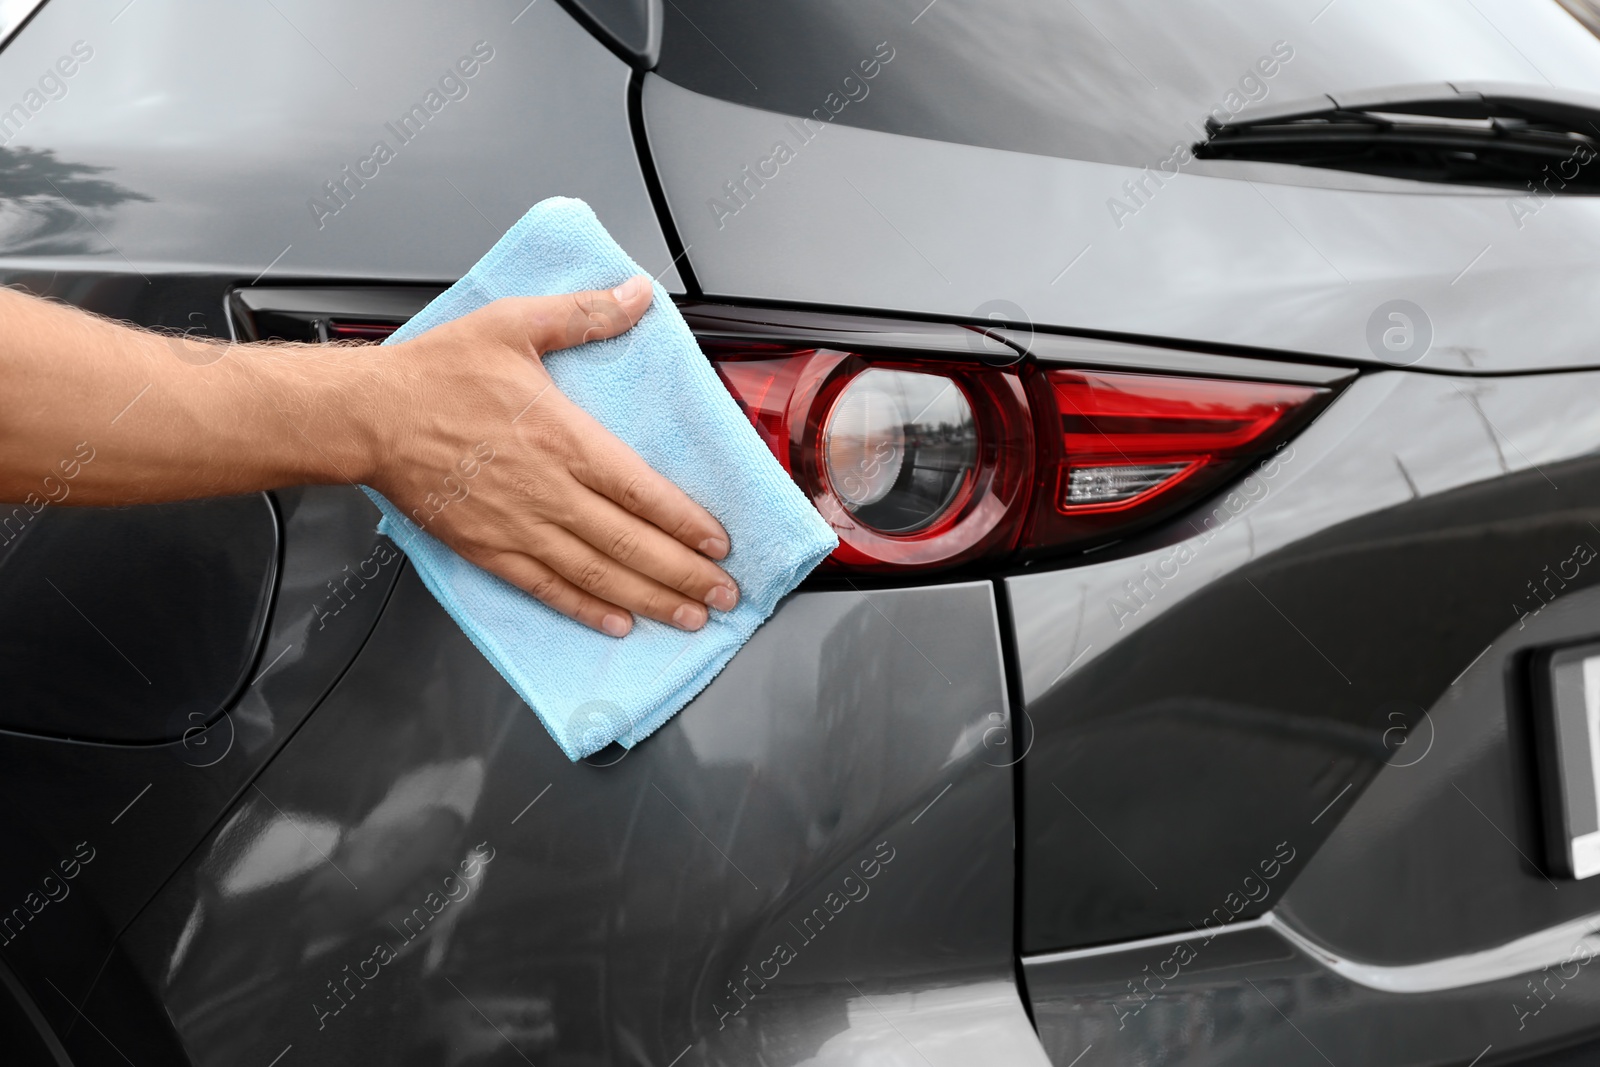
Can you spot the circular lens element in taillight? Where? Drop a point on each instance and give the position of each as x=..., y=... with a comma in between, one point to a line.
x=899, y=447
x=914, y=464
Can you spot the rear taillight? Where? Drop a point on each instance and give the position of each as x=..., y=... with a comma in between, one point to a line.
x=915, y=464
x=929, y=462
x=1119, y=450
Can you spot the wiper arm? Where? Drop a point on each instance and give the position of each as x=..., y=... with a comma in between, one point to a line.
x=1471, y=133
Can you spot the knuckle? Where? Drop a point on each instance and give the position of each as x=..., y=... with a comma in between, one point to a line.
x=589, y=315
x=635, y=493
x=538, y=536
x=528, y=490
x=543, y=585
x=546, y=436
x=579, y=313
x=692, y=581
x=543, y=436
x=660, y=605
x=624, y=544
x=685, y=529
x=519, y=485
x=592, y=573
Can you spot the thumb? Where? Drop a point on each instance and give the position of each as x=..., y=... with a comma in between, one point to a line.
x=556, y=322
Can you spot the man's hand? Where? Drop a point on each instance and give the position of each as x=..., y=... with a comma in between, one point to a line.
x=460, y=426
x=485, y=453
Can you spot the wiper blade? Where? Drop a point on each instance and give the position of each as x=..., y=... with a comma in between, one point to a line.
x=1461, y=133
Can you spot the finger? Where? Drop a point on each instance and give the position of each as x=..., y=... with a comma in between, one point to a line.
x=554, y=322
x=614, y=470
x=549, y=587
x=643, y=548
x=603, y=577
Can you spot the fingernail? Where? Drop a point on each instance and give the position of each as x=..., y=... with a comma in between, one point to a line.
x=615, y=625
x=722, y=597
x=631, y=288
x=715, y=547
x=688, y=617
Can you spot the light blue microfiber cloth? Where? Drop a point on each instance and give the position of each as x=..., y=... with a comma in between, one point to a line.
x=653, y=388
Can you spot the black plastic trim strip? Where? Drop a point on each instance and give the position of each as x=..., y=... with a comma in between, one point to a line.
x=998, y=329
x=1021, y=735
x=652, y=184
x=386, y=303
x=986, y=343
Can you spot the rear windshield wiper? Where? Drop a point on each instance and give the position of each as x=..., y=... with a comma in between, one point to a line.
x=1468, y=133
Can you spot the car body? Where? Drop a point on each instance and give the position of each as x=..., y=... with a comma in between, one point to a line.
x=1258, y=779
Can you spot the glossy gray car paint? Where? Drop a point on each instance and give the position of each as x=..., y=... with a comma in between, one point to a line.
x=1385, y=891
x=1407, y=908
x=1343, y=579
x=855, y=748
x=865, y=219
x=142, y=808
x=1371, y=572
x=1390, y=439
x=198, y=135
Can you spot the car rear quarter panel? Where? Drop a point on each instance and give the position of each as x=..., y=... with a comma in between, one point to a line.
x=842, y=791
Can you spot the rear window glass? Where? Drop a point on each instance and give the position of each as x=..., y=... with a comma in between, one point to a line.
x=1102, y=80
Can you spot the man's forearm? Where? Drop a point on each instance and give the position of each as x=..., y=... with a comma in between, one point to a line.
x=99, y=413
x=93, y=412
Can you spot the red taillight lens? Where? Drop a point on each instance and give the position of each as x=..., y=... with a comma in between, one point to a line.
x=360, y=331
x=926, y=463
x=915, y=464
x=1119, y=450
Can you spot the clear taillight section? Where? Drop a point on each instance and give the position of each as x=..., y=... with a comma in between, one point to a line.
x=914, y=464
x=899, y=447
x=929, y=463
